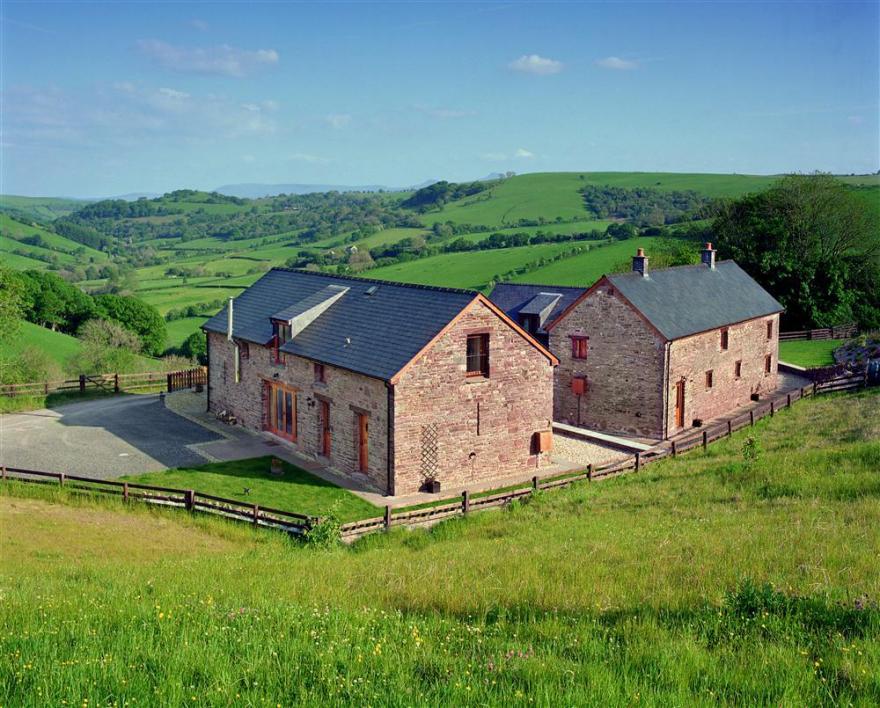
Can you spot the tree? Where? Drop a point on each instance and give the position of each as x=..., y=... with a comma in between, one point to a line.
x=10, y=303
x=107, y=347
x=621, y=231
x=195, y=347
x=137, y=317
x=813, y=243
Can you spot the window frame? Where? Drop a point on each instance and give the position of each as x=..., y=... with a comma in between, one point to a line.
x=320, y=372
x=768, y=364
x=710, y=378
x=481, y=356
x=769, y=329
x=737, y=369
x=580, y=346
x=725, y=339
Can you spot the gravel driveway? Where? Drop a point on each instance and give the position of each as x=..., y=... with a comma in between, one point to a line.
x=106, y=437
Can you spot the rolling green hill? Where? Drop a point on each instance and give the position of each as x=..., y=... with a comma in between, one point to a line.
x=59, y=346
x=14, y=229
x=43, y=208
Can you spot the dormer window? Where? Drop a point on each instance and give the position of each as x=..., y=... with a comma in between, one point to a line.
x=529, y=323
x=280, y=335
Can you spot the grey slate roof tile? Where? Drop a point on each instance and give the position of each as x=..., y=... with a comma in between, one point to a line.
x=374, y=334
x=685, y=300
x=515, y=298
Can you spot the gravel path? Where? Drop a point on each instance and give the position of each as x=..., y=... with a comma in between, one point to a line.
x=582, y=452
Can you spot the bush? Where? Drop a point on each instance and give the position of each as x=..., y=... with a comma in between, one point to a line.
x=136, y=316
x=195, y=347
x=31, y=364
x=107, y=347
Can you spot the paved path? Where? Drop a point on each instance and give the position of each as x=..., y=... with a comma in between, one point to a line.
x=105, y=437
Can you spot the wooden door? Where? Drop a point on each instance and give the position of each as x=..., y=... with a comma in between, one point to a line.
x=281, y=411
x=363, y=449
x=679, y=404
x=325, y=428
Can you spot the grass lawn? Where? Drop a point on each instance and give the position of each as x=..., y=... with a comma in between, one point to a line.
x=702, y=580
x=59, y=346
x=179, y=330
x=809, y=353
x=296, y=490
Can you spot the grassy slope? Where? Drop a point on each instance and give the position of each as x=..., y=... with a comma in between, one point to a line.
x=296, y=490
x=15, y=229
x=466, y=270
x=809, y=353
x=61, y=347
x=586, y=268
x=45, y=208
x=179, y=330
x=634, y=590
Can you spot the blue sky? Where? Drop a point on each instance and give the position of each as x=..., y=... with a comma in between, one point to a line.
x=109, y=98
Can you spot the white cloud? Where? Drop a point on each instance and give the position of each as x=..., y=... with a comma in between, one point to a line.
x=198, y=24
x=305, y=157
x=535, y=64
x=617, y=63
x=223, y=60
x=522, y=152
x=173, y=94
x=337, y=120
x=443, y=113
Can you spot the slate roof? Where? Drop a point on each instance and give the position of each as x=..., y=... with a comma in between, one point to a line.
x=515, y=298
x=374, y=334
x=686, y=300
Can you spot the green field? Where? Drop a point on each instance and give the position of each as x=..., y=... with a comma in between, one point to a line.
x=472, y=269
x=809, y=353
x=702, y=580
x=296, y=490
x=179, y=330
x=59, y=346
x=43, y=208
x=586, y=268
x=16, y=230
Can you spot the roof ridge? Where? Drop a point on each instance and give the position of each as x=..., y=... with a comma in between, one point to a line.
x=668, y=268
x=339, y=276
x=543, y=285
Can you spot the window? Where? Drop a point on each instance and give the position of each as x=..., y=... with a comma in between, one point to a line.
x=738, y=369
x=319, y=373
x=768, y=364
x=478, y=355
x=245, y=350
x=579, y=347
x=709, y=379
x=769, y=329
x=276, y=346
x=280, y=334
x=724, y=338
x=529, y=323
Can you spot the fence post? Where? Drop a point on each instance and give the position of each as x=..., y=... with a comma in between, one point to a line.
x=788, y=398
x=3, y=468
x=590, y=472
x=674, y=451
x=61, y=479
x=638, y=460
x=729, y=427
x=82, y=383
x=169, y=383
x=125, y=491
x=815, y=387
x=772, y=408
x=465, y=501
x=190, y=499
x=705, y=439
x=115, y=383
x=535, y=483
x=752, y=417
x=256, y=514
x=387, y=517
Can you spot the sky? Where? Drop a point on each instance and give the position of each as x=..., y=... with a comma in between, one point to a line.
x=109, y=98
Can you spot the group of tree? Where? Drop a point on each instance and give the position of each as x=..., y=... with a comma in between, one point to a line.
x=436, y=195
x=814, y=243
x=644, y=206
x=49, y=301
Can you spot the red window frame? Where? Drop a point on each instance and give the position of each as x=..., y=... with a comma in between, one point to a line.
x=477, y=355
x=580, y=346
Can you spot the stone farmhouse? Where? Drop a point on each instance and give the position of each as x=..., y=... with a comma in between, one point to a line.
x=388, y=384
x=652, y=353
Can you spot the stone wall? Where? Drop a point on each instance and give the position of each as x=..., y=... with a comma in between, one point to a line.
x=484, y=427
x=623, y=369
x=691, y=357
x=348, y=394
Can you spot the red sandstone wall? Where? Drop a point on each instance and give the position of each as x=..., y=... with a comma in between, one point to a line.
x=514, y=402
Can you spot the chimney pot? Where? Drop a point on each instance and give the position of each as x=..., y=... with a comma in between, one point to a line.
x=640, y=262
x=707, y=256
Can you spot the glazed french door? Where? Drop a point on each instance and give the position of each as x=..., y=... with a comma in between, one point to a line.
x=281, y=410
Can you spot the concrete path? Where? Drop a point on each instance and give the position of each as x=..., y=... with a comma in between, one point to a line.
x=105, y=437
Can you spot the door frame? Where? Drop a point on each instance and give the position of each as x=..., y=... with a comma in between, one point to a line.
x=362, y=423
x=325, y=432
x=271, y=406
x=679, y=403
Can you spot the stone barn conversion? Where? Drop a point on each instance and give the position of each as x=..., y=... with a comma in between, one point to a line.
x=391, y=385
x=652, y=353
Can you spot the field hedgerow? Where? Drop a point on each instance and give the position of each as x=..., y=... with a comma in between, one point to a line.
x=701, y=580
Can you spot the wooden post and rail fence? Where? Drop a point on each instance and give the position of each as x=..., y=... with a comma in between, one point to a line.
x=468, y=502
x=844, y=331
x=112, y=383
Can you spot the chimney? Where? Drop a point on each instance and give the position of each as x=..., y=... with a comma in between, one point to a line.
x=707, y=255
x=640, y=263
x=229, y=321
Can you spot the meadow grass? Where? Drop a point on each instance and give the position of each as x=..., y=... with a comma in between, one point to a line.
x=16, y=229
x=469, y=269
x=585, y=268
x=296, y=490
x=809, y=353
x=700, y=580
x=57, y=345
x=179, y=330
